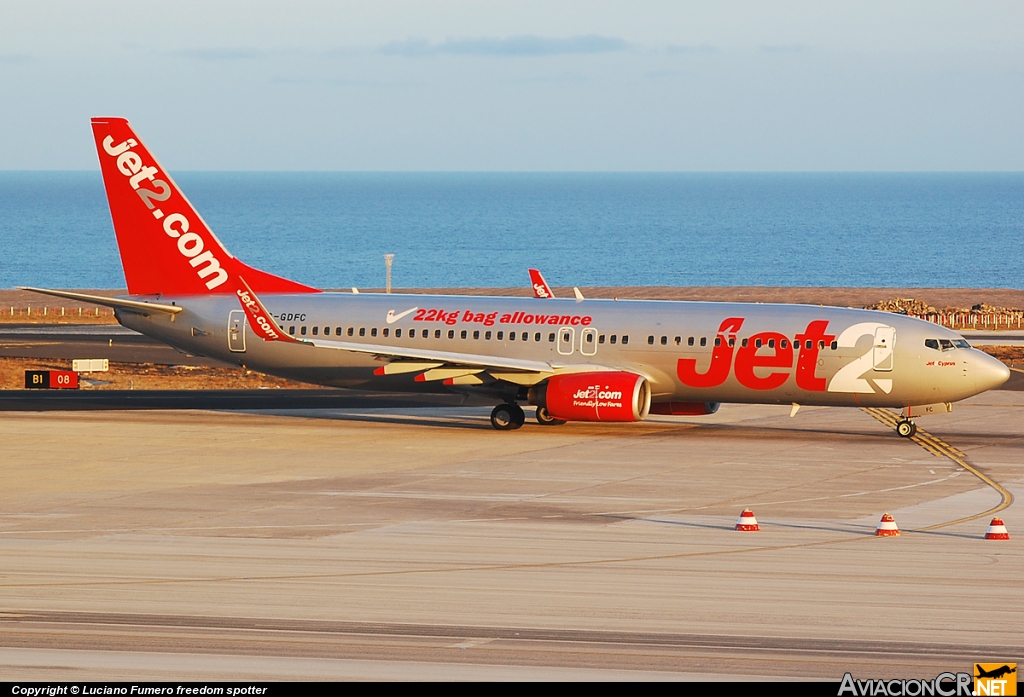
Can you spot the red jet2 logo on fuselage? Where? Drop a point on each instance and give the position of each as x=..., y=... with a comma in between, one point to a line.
x=807, y=345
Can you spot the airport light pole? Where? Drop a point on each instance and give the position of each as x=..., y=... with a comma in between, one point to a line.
x=388, y=259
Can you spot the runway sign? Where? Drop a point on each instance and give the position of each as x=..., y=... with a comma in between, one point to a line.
x=51, y=380
x=90, y=365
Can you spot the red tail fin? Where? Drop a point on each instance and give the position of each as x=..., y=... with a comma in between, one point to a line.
x=166, y=247
x=541, y=289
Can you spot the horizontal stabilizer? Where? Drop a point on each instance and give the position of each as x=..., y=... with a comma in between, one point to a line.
x=133, y=305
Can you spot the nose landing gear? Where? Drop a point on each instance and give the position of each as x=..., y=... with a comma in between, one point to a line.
x=507, y=417
x=906, y=428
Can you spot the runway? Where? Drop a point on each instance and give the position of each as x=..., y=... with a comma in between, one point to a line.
x=419, y=543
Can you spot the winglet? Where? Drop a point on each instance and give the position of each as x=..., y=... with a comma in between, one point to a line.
x=541, y=289
x=578, y=294
x=261, y=321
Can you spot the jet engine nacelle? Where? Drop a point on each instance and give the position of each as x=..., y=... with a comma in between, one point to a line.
x=685, y=408
x=603, y=396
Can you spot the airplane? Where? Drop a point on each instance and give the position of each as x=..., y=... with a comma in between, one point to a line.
x=996, y=672
x=574, y=359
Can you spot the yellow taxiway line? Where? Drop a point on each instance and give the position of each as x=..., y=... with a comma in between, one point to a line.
x=940, y=448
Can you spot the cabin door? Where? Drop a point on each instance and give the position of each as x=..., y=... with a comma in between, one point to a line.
x=885, y=340
x=236, y=331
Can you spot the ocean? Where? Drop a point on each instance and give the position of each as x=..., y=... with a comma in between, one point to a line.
x=484, y=230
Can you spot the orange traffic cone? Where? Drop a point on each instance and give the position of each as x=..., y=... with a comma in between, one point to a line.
x=887, y=527
x=996, y=530
x=747, y=522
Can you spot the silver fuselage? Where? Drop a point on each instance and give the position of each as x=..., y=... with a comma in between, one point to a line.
x=857, y=357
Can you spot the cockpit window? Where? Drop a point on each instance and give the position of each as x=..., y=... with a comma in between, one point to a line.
x=945, y=344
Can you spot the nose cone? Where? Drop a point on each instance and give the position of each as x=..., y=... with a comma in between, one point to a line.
x=988, y=372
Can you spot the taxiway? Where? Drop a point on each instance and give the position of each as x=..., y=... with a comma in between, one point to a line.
x=420, y=543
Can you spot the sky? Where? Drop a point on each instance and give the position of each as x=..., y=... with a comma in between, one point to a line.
x=397, y=85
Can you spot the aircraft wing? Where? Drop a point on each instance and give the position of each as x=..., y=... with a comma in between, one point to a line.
x=446, y=357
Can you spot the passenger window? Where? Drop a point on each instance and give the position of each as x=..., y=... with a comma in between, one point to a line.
x=487, y=336
x=821, y=344
x=327, y=331
x=664, y=341
x=476, y=334
x=373, y=332
x=732, y=341
x=511, y=336
x=600, y=339
x=398, y=333
x=437, y=333
x=337, y=331
x=315, y=330
x=291, y=329
x=385, y=332
x=625, y=339
x=835, y=345
x=501, y=336
x=551, y=338
x=743, y=343
x=351, y=330
x=650, y=340
x=932, y=344
x=536, y=337
x=613, y=338
x=464, y=333
x=771, y=343
x=758, y=343
x=784, y=343
x=808, y=344
x=689, y=341
x=451, y=333
x=302, y=331
x=679, y=340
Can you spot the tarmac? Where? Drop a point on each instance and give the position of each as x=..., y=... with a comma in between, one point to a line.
x=419, y=543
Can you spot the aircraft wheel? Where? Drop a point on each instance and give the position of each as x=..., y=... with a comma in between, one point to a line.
x=906, y=429
x=507, y=417
x=546, y=419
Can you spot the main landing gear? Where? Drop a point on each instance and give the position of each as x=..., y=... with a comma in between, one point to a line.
x=546, y=419
x=507, y=417
x=906, y=428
